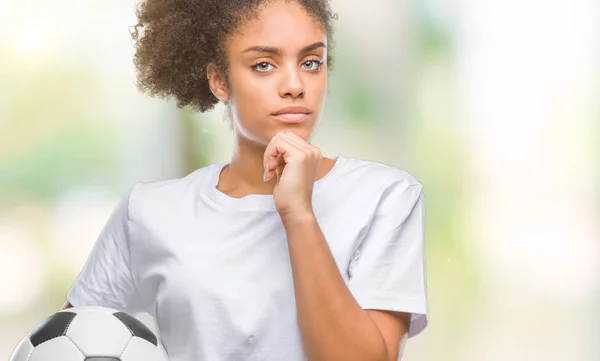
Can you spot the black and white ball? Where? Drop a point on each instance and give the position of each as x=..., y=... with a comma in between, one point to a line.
x=89, y=334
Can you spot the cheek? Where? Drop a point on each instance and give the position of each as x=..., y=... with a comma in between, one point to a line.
x=321, y=87
x=318, y=90
x=249, y=92
x=251, y=99
x=316, y=82
x=255, y=93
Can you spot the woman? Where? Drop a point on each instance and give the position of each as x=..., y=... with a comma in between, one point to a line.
x=282, y=254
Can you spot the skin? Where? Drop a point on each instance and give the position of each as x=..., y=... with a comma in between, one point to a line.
x=326, y=308
x=332, y=323
x=291, y=78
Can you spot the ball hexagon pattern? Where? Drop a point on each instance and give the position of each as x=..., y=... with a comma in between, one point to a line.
x=89, y=333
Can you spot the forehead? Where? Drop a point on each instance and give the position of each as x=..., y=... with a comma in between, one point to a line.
x=280, y=24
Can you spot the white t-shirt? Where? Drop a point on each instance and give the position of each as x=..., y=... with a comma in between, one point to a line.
x=215, y=273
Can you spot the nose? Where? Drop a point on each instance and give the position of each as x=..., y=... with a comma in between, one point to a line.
x=292, y=85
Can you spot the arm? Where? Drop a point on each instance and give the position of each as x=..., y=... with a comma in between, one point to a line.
x=333, y=325
x=106, y=278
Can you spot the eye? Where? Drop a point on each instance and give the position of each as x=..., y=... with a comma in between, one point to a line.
x=263, y=66
x=313, y=65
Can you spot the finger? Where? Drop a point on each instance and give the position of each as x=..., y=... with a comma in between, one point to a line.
x=280, y=164
x=295, y=136
x=272, y=156
x=286, y=150
x=292, y=138
x=301, y=151
x=308, y=150
x=277, y=169
x=278, y=153
x=311, y=149
x=295, y=139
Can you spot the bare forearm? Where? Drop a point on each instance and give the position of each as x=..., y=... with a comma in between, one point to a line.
x=333, y=325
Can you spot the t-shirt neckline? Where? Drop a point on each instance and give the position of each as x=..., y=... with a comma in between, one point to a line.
x=252, y=201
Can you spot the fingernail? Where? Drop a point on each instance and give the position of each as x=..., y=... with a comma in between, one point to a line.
x=265, y=176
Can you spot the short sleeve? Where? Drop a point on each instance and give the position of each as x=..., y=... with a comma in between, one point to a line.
x=105, y=279
x=388, y=268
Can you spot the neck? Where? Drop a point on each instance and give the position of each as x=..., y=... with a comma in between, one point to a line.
x=244, y=173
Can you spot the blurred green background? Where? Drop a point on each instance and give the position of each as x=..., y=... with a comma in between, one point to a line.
x=493, y=106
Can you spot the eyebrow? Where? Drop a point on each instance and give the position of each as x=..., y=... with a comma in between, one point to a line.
x=277, y=51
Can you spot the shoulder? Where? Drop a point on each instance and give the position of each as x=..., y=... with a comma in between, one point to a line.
x=388, y=192
x=167, y=192
x=378, y=176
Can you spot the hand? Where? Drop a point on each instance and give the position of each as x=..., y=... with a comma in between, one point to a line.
x=294, y=163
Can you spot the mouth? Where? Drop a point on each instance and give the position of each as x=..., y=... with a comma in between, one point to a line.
x=292, y=118
x=292, y=114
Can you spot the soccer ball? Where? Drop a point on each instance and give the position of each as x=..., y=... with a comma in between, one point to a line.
x=89, y=333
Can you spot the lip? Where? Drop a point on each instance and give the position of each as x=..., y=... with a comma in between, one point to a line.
x=295, y=114
x=293, y=110
x=292, y=118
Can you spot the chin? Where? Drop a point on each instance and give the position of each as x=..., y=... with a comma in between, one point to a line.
x=300, y=130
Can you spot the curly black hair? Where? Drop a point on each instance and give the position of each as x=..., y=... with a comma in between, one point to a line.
x=175, y=40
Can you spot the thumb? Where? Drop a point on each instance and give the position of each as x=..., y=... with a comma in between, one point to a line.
x=279, y=171
x=279, y=167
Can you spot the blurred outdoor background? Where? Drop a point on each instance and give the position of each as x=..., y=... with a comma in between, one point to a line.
x=494, y=106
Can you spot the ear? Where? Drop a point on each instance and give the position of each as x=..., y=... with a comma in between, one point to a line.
x=217, y=83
